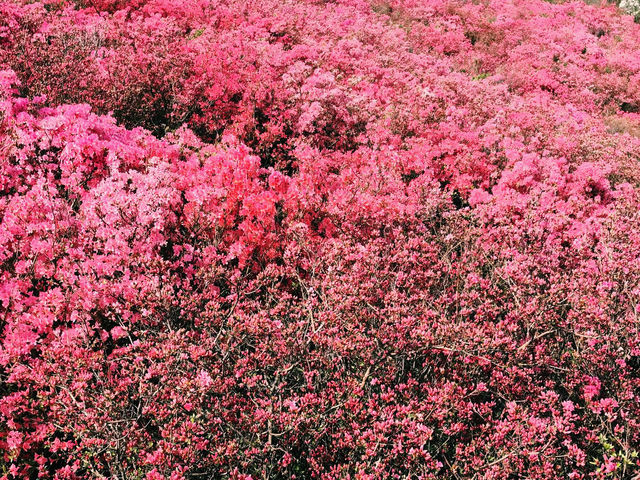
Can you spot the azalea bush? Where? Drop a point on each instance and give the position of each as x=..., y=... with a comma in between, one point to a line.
x=319, y=240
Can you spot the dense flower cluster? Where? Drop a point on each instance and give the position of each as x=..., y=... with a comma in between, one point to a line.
x=361, y=239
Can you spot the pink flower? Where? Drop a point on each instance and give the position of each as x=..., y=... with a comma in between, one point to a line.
x=118, y=332
x=154, y=475
x=478, y=197
x=14, y=440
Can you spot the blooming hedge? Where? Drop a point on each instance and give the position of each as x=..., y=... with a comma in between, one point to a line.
x=319, y=239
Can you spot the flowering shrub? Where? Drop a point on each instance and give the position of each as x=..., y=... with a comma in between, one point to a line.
x=303, y=239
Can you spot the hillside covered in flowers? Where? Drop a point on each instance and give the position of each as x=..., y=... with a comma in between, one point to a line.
x=319, y=239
